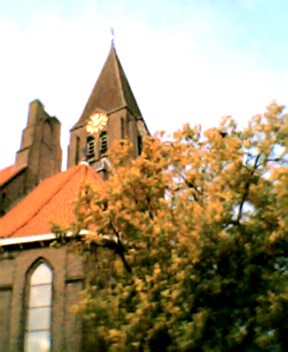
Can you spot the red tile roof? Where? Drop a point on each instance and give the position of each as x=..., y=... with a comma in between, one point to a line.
x=52, y=202
x=9, y=172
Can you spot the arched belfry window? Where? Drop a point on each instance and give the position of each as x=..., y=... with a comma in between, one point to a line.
x=103, y=142
x=122, y=126
x=38, y=309
x=77, y=152
x=139, y=144
x=90, y=147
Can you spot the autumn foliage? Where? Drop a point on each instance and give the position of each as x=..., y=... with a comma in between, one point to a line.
x=200, y=254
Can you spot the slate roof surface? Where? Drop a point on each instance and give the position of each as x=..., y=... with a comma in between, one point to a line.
x=52, y=202
x=111, y=91
x=8, y=173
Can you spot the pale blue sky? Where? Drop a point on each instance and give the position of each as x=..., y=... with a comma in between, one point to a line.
x=186, y=60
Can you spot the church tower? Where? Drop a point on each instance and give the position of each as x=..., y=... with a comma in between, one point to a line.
x=111, y=113
x=40, y=149
x=38, y=158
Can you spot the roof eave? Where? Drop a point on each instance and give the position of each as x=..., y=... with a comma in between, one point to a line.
x=17, y=172
x=22, y=240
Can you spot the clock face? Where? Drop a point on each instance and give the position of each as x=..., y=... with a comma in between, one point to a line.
x=96, y=122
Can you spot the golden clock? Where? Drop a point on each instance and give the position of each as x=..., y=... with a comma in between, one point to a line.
x=96, y=122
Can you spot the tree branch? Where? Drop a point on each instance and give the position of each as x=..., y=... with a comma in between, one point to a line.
x=190, y=184
x=246, y=189
x=120, y=248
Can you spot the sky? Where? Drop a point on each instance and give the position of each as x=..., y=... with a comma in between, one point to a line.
x=186, y=60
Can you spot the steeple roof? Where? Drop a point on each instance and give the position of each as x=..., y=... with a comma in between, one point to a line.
x=111, y=91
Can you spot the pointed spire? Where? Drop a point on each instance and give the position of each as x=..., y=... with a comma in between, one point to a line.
x=111, y=91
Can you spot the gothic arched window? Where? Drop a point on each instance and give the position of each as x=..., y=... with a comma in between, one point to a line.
x=90, y=147
x=103, y=142
x=39, y=309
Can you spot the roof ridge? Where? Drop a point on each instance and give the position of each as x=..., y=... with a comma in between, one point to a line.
x=77, y=169
x=118, y=66
x=128, y=97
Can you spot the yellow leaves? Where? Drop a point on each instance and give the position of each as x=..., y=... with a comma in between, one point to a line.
x=213, y=136
x=174, y=310
x=175, y=209
x=176, y=259
x=275, y=236
x=279, y=177
x=246, y=143
x=283, y=223
x=180, y=276
x=138, y=284
x=199, y=319
x=188, y=182
x=166, y=293
x=212, y=211
x=233, y=144
x=223, y=235
x=257, y=119
x=139, y=311
x=120, y=154
x=273, y=111
x=114, y=334
x=197, y=210
x=215, y=210
x=280, y=173
x=157, y=270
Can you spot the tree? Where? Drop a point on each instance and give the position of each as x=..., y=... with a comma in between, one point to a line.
x=198, y=249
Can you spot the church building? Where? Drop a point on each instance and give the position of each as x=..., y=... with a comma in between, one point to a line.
x=40, y=283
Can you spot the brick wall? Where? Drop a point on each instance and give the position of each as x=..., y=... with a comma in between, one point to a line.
x=68, y=281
